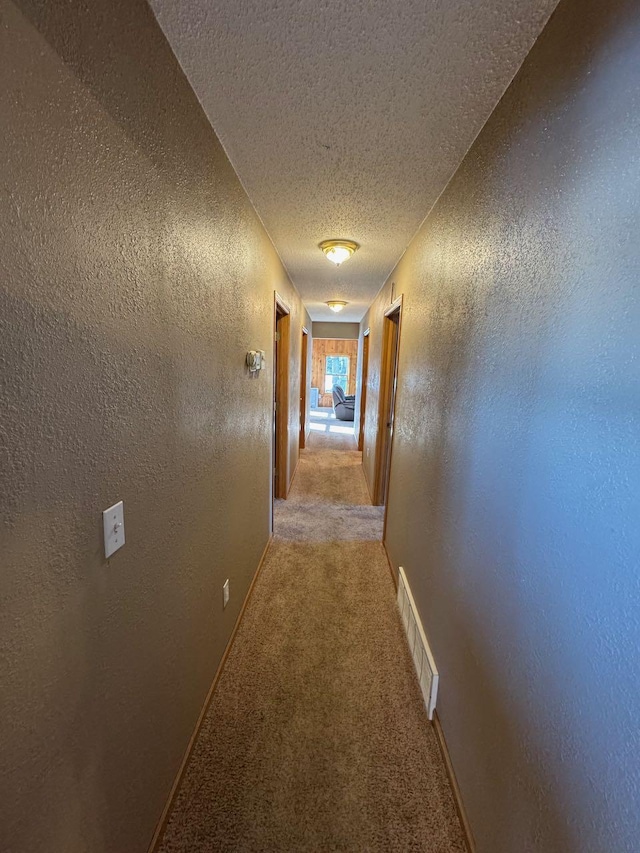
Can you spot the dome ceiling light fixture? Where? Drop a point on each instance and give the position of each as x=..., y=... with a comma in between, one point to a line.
x=336, y=305
x=338, y=251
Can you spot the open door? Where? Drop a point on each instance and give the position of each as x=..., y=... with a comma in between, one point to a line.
x=303, y=387
x=386, y=412
x=363, y=387
x=281, y=398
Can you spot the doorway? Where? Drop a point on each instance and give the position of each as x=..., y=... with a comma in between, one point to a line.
x=303, y=387
x=363, y=387
x=334, y=368
x=280, y=397
x=387, y=403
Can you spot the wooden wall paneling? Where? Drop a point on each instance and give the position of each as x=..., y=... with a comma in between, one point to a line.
x=322, y=347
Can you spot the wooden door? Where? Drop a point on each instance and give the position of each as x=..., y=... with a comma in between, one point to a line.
x=303, y=388
x=281, y=400
x=387, y=403
x=363, y=387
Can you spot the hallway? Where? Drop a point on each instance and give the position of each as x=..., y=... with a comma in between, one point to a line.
x=316, y=737
x=214, y=214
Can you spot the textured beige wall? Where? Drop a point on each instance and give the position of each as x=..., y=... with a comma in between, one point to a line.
x=343, y=331
x=515, y=484
x=135, y=275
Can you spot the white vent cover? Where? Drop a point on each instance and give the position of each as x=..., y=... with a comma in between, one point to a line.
x=420, y=651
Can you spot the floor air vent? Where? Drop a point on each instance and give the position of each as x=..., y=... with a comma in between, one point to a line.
x=420, y=651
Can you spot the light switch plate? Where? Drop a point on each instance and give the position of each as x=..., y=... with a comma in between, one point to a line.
x=225, y=593
x=113, y=524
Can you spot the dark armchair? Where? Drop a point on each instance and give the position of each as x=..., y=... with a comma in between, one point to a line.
x=343, y=405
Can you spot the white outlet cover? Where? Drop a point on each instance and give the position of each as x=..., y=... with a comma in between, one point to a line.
x=113, y=525
x=225, y=593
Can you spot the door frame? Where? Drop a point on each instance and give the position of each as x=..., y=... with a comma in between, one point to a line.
x=387, y=402
x=304, y=369
x=280, y=449
x=364, y=377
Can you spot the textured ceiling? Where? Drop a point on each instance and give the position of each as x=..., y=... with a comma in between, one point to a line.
x=347, y=119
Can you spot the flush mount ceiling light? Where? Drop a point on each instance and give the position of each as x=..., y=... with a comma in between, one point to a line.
x=338, y=251
x=336, y=304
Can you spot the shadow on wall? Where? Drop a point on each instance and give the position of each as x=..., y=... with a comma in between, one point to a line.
x=512, y=500
x=136, y=266
x=76, y=641
x=450, y=490
x=87, y=37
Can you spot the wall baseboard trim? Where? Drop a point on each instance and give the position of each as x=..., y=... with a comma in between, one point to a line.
x=162, y=822
x=394, y=574
x=464, y=821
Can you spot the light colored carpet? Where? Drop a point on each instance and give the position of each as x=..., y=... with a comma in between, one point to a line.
x=323, y=420
x=316, y=738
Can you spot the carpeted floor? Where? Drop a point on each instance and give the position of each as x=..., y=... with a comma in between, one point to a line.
x=323, y=420
x=316, y=738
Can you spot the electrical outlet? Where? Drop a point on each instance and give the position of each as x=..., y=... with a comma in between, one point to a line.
x=225, y=593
